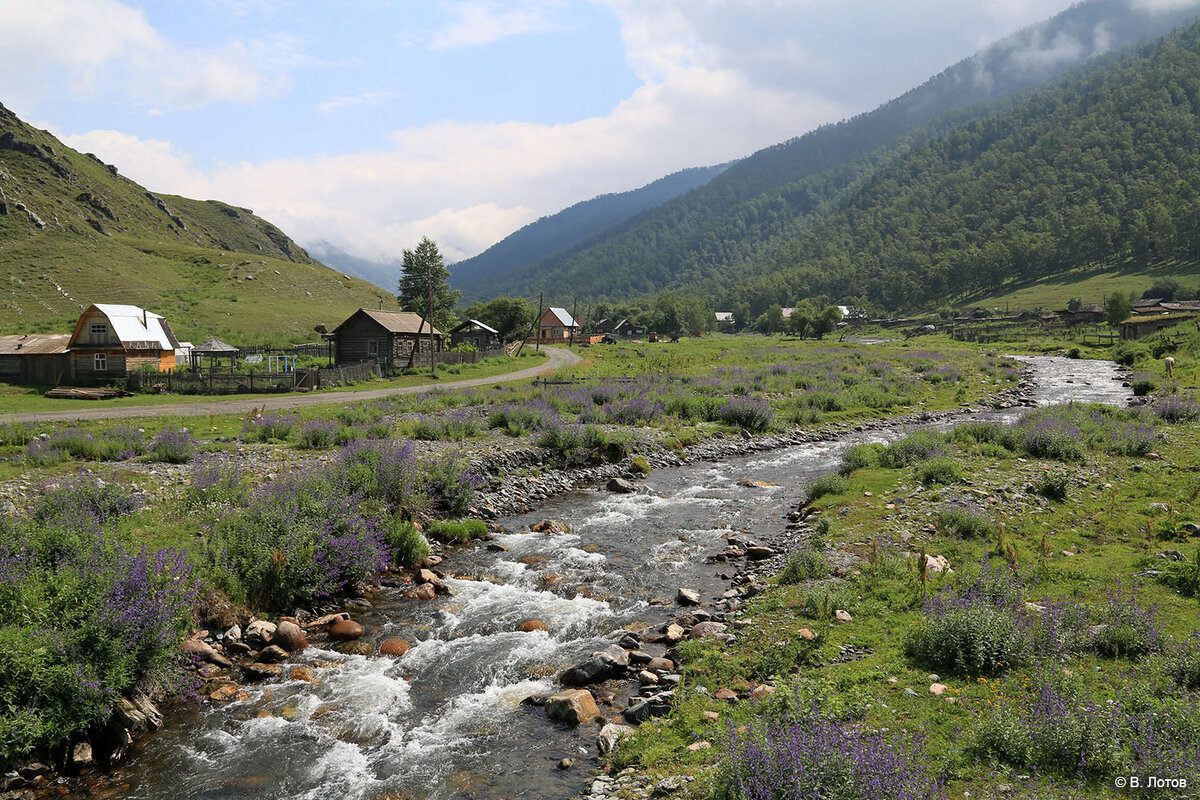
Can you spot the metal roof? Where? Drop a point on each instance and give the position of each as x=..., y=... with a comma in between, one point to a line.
x=562, y=317
x=34, y=344
x=213, y=347
x=396, y=321
x=477, y=324
x=137, y=328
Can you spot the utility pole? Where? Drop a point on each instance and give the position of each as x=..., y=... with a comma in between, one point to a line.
x=537, y=343
x=432, y=362
x=574, y=309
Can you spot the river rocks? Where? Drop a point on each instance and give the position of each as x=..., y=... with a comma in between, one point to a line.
x=572, y=706
x=329, y=619
x=593, y=670
x=616, y=657
x=345, y=630
x=673, y=634
x=647, y=678
x=565, y=763
x=259, y=632
x=657, y=705
x=204, y=652
x=704, y=629
x=81, y=755
x=549, y=526
x=531, y=625
x=273, y=654
x=226, y=692
x=611, y=735
x=302, y=673
x=394, y=646
x=289, y=636
x=759, y=552
x=261, y=672
x=356, y=648
x=425, y=591
x=660, y=664
x=687, y=597
x=621, y=486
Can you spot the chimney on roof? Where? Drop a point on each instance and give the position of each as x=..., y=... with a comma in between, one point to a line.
x=381, y=304
x=144, y=323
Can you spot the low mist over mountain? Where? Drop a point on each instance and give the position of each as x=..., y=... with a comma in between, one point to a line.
x=715, y=237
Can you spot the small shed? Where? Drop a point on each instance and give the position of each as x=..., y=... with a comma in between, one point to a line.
x=38, y=358
x=215, y=351
x=476, y=334
x=383, y=336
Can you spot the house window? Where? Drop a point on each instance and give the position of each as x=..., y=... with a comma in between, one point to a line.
x=98, y=331
x=373, y=348
x=100, y=362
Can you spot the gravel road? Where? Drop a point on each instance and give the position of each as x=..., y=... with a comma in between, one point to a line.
x=557, y=358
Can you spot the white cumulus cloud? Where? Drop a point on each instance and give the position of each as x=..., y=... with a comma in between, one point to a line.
x=106, y=46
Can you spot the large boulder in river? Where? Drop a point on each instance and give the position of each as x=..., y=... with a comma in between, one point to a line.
x=345, y=630
x=289, y=636
x=394, y=646
x=573, y=706
x=594, y=670
x=531, y=625
x=259, y=633
x=621, y=486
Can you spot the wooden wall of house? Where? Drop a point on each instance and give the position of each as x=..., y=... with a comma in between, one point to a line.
x=84, y=327
x=480, y=340
x=353, y=338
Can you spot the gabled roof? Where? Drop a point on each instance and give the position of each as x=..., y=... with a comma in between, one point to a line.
x=395, y=321
x=34, y=344
x=624, y=323
x=561, y=316
x=136, y=328
x=723, y=316
x=213, y=347
x=477, y=324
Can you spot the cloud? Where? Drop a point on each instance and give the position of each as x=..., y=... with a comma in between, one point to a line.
x=108, y=47
x=718, y=80
x=363, y=98
x=479, y=22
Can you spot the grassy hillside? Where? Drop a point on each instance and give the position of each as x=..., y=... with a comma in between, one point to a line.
x=73, y=231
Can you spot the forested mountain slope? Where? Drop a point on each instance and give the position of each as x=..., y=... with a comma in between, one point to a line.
x=712, y=237
x=574, y=225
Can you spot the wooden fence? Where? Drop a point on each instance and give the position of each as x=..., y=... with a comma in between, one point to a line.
x=451, y=357
x=216, y=381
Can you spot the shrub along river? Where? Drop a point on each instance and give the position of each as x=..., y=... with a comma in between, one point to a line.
x=446, y=718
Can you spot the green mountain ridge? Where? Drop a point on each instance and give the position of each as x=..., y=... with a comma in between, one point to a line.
x=74, y=231
x=728, y=239
x=575, y=225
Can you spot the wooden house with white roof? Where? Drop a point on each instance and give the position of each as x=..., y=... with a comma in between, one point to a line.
x=111, y=341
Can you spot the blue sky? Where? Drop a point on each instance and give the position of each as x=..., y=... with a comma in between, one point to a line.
x=370, y=123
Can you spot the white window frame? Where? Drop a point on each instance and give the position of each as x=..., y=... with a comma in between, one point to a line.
x=100, y=362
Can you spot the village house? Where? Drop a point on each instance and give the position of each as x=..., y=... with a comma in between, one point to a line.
x=1086, y=315
x=1142, y=325
x=112, y=341
x=627, y=330
x=605, y=325
x=387, y=337
x=556, y=325
x=476, y=334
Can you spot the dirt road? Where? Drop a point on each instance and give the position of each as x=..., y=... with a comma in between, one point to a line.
x=557, y=358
